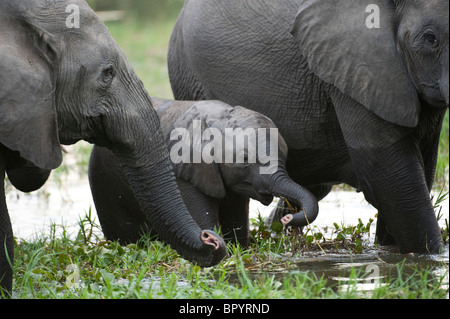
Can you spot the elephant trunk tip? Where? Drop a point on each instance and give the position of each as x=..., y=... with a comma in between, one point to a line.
x=286, y=219
x=215, y=246
x=299, y=219
x=303, y=217
x=296, y=196
x=210, y=240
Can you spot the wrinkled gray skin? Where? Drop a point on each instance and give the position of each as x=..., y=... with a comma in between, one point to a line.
x=217, y=193
x=356, y=105
x=61, y=85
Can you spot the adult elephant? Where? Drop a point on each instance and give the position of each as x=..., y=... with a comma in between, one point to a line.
x=358, y=90
x=62, y=79
x=216, y=188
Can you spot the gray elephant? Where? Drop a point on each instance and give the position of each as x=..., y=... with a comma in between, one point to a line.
x=216, y=188
x=358, y=89
x=62, y=79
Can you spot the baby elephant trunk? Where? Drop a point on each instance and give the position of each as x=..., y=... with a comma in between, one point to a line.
x=305, y=207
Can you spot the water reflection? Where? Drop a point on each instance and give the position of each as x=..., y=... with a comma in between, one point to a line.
x=360, y=273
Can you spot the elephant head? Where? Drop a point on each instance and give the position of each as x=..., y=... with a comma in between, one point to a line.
x=238, y=150
x=62, y=82
x=387, y=55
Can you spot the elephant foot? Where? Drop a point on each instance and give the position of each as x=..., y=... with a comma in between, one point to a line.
x=382, y=235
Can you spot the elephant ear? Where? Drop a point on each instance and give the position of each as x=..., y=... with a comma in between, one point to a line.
x=27, y=103
x=206, y=177
x=345, y=47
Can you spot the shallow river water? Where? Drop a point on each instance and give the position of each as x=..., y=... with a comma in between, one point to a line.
x=65, y=200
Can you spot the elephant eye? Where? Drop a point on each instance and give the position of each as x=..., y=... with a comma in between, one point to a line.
x=108, y=74
x=431, y=39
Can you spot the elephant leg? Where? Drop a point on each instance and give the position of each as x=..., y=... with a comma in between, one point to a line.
x=401, y=196
x=429, y=144
x=382, y=235
x=390, y=172
x=6, y=235
x=118, y=211
x=233, y=218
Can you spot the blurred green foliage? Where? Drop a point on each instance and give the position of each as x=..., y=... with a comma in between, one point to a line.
x=140, y=8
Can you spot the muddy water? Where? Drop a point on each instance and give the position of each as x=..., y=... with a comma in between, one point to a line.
x=370, y=267
x=64, y=200
x=60, y=202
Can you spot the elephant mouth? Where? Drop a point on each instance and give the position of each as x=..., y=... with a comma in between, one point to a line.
x=432, y=95
x=434, y=85
x=436, y=102
x=265, y=199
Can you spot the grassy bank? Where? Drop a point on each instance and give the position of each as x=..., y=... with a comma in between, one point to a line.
x=86, y=267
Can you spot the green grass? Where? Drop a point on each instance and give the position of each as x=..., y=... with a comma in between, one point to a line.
x=279, y=264
x=86, y=267
x=442, y=171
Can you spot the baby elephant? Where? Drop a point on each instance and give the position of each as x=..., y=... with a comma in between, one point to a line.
x=222, y=156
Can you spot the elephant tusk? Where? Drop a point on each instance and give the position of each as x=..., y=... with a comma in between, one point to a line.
x=64, y=149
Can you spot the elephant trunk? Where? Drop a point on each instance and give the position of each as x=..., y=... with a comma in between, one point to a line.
x=299, y=197
x=158, y=196
x=136, y=140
